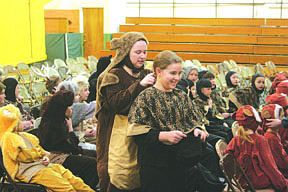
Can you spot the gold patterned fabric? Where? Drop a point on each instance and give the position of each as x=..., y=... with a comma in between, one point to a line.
x=165, y=111
x=219, y=101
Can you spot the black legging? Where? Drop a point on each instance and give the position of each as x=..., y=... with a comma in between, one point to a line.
x=84, y=167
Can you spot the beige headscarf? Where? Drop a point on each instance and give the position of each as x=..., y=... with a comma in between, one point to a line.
x=123, y=46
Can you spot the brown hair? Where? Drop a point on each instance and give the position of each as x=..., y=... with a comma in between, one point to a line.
x=165, y=58
x=208, y=75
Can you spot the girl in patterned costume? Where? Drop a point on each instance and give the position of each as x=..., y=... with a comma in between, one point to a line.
x=26, y=161
x=160, y=119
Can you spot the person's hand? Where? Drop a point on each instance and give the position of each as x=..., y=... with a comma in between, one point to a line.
x=148, y=80
x=210, y=103
x=226, y=115
x=274, y=123
x=45, y=161
x=171, y=136
x=90, y=132
x=69, y=123
x=202, y=134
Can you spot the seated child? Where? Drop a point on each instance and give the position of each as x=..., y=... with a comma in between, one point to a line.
x=26, y=161
x=253, y=153
x=274, y=111
x=212, y=118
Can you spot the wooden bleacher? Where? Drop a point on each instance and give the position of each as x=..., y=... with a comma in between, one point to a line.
x=213, y=40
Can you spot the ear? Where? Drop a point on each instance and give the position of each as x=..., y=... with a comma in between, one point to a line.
x=157, y=70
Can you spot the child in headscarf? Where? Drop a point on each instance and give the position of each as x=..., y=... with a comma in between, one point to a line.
x=12, y=93
x=25, y=160
x=214, y=121
x=232, y=81
x=215, y=95
x=275, y=111
x=251, y=95
x=253, y=153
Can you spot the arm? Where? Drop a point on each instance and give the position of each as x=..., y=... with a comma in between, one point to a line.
x=120, y=99
x=18, y=151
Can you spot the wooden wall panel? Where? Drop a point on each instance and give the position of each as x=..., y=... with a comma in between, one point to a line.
x=56, y=25
x=71, y=15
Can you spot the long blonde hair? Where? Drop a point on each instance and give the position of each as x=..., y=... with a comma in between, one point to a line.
x=244, y=135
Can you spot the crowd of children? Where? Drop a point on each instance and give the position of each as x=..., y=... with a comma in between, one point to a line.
x=153, y=131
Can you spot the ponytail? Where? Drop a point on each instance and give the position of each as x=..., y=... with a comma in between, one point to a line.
x=243, y=135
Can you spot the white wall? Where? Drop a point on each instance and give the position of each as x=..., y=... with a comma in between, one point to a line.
x=114, y=11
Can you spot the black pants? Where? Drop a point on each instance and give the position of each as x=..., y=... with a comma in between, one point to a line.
x=84, y=167
x=162, y=179
x=210, y=160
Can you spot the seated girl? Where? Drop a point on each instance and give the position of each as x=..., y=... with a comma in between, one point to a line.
x=274, y=111
x=25, y=160
x=215, y=94
x=250, y=95
x=56, y=135
x=232, y=82
x=161, y=118
x=253, y=153
x=80, y=112
x=213, y=120
x=84, y=128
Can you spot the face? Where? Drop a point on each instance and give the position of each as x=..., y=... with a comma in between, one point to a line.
x=16, y=91
x=206, y=91
x=169, y=77
x=138, y=53
x=85, y=94
x=260, y=83
x=68, y=111
x=2, y=96
x=234, y=79
x=213, y=83
x=193, y=75
x=193, y=91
